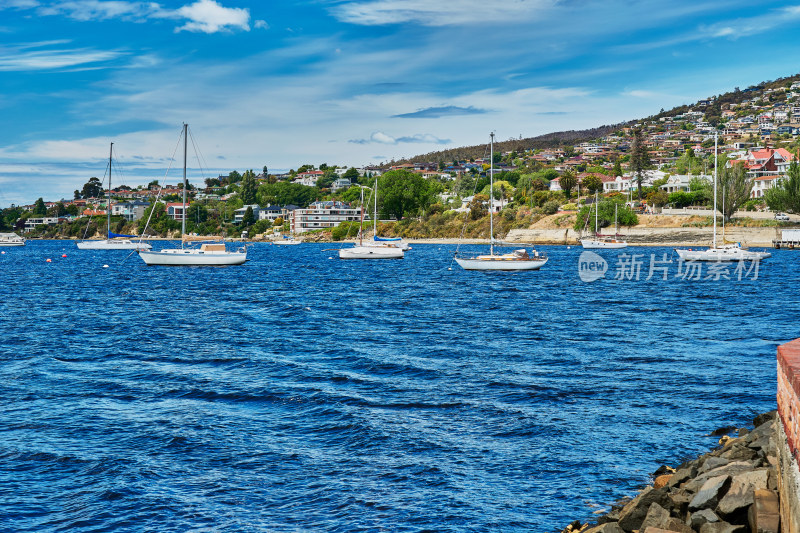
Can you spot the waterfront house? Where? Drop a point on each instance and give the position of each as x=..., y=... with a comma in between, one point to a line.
x=130, y=211
x=323, y=215
x=238, y=215
x=175, y=211
x=271, y=213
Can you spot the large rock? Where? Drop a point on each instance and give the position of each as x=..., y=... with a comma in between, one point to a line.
x=710, y=492
x=681, y=476
x=740, y=452
x=713, y=462
x=611, y=527
x=764, y=515
x=700, y=518
x=680, y=501
x=633, y=514
x=730, y=469
x=764, y=418
x=657, y=516
x=723, y=527
x=733, y=506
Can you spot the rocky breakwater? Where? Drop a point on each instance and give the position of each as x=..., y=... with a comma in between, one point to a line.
x=733, y=489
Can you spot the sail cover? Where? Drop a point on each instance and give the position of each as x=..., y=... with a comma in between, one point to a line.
x=387, y=238
x=112, y=235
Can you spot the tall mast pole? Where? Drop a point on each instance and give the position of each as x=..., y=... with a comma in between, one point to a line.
x=361, y=223
x=108, y=195
x=491, y=195
x=715, y=189
x=185, y=146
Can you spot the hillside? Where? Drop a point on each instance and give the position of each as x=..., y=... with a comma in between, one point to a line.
x=572, y=137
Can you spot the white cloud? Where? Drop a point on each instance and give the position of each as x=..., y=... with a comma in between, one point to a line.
x=427, y=13
x=85, y=10
x=208, y=16
x=15, y=59
x=261, y=25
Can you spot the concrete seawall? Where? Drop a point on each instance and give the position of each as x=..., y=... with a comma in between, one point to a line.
x=758, y=237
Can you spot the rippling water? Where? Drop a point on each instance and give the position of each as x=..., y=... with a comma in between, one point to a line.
x=299, y=392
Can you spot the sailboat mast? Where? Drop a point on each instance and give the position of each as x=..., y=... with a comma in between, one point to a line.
x=375, y=211
x=596, y=227
x=491, y=195
x=108, y=195
x=361, y=223
x=185, y=146
x=715, y=189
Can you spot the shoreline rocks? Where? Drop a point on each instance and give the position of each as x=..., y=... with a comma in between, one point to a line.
x=732, y=489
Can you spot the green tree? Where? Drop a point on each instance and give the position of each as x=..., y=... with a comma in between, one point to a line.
x=785, y=195
x=403, y=193
x=640, y=158
x=39, y=209
x=234, y=177
x=247, y=189
x=617, y=171
x=351, y=174
x=568, y=181
x=478, y=207
x=327, y=179
x=249, y=218
x=92, y=188
x=733, y=189
x=593, y=183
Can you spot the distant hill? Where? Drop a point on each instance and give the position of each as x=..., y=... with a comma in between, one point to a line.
x=548, y=140
x=572, y=137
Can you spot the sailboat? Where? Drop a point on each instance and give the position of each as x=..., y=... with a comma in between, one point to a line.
x=288, y=241
x=519, y=259
x=723, y=252
x=113, y=241
x=600, y=241
x=11, y=239
x=370, y=251
x=209, y=254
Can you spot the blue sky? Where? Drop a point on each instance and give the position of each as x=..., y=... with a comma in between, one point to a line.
x=348, y=82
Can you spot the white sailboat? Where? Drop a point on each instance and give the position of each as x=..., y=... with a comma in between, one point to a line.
x=209, y=254
x=517, y=260
x=723, y=252
x=11, y=239
x=113, y=241
x=370, y=251
x=600, y=241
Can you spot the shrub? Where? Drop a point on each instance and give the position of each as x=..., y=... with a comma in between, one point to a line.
x=550, y=207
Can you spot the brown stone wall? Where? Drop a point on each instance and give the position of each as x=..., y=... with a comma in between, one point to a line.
x=789, y=434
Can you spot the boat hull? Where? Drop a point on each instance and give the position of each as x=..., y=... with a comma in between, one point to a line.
x=286, y=242
x=597, y=244
x=191, y=257
x=500, y=263
x=113, y=245
x=721, y=255
x=371, y=252
x=13, y=243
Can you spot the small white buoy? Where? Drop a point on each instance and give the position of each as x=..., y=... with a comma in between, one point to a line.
x=569, y=247
x=105, y=266
x=448, y=268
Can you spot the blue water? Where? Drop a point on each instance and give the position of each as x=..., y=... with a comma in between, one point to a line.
x=299, y=392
